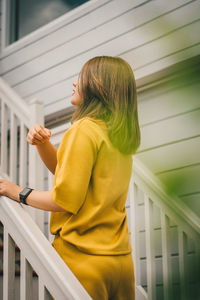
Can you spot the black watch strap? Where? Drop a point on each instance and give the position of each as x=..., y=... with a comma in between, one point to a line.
x=24, y=194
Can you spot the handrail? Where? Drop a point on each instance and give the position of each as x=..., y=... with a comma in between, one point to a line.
x=13, y=99
x=56, y=277
x=152, y=185
x=149, y=198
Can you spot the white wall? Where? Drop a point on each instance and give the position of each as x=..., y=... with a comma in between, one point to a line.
x=150, y=35
x=170, y=120
x=0, y=22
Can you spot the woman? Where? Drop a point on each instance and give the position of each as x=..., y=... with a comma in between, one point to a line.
x=92, y=173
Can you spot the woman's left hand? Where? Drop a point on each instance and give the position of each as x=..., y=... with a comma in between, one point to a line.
x=10, y=189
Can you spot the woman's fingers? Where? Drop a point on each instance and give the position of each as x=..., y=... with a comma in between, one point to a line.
x=38, y=135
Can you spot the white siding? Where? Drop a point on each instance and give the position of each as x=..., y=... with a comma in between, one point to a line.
x=0, y=22
x=170, y=129
x=151, y=35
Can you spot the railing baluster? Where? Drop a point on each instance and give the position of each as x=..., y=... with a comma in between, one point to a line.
x=197, y=268
x=4, y=142
x=8, y=266
x=166, y=261
x=151, y=279
x=182, y=246
x=13, y=147
x=23, y=156
x=134, y=231
x=25, y=278
x=43, y=292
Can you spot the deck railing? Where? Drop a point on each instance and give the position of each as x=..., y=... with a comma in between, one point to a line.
x=165, y=236
x=42, y=270
x=43, y=273
x=20, y=163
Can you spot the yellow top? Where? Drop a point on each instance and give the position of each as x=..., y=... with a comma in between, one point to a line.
x=91, y=183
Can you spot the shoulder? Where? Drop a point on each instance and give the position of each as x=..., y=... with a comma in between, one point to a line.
x=83, y=131
x=91, y=128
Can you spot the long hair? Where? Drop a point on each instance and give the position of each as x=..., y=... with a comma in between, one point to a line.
x=108, y=89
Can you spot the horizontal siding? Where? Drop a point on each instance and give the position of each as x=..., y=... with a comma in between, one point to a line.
x=0, y=23
x=127, y=37
x=170, y=130
x=173, y=156
x=143, y=32
x=182, y=181
x=193, y=201
x=170, y=100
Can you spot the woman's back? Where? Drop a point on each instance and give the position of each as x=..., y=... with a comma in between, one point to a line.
x=93, y=192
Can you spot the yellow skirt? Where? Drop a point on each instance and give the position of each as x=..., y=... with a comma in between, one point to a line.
x=103, y=276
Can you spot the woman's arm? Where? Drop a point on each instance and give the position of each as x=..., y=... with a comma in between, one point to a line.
x=48, y=154
x=39, y=136
x=37, y=199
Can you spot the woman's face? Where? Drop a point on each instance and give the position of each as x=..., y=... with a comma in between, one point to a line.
x=76, y=97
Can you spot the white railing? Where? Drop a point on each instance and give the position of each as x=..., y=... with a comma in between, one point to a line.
x=165, y=236
x=21, y=164
x=54, y=278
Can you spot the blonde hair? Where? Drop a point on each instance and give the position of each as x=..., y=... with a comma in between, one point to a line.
x=108, y=89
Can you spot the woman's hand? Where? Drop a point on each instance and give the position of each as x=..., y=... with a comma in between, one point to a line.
x=10, y=189
x=38, y=135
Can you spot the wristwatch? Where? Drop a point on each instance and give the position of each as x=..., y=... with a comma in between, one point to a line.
x=24, y=194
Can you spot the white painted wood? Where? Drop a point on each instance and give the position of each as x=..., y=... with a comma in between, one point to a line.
x=58, y=132
x=166, y=261
x=98, y=13
x=36, y=170
x=53, y=26
x=47, y=263
x=42, y=291
x=173, y=156
x=151, y=279
x=117, y=46
x=170, y=99
x=8, y=266
x=134, y=230
x=167, y=46
x=13, y=147
x=192, y=201
x=182, y=243
x=10, y=97
x=197, y=264
x=182, y=181
x=167, y=61
x=170, y=130
x=173, y=207
x=23, y=156
x=140, y=293
x=26, y=288
x=106, y=33
x=4, y=129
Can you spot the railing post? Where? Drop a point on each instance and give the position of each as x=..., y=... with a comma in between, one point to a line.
x=151, y=276
x=25, y=278
x=166, y=259
x=8, y=267
x=182, y=245
x=4, y=142
x=134, y=230
x=36, y=169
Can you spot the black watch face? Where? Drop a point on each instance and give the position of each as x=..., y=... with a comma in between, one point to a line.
x=25, y=191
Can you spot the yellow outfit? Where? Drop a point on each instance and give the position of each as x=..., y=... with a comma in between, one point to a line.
x=91, y=184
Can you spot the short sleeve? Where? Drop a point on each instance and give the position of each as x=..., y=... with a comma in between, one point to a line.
x=75, y=160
